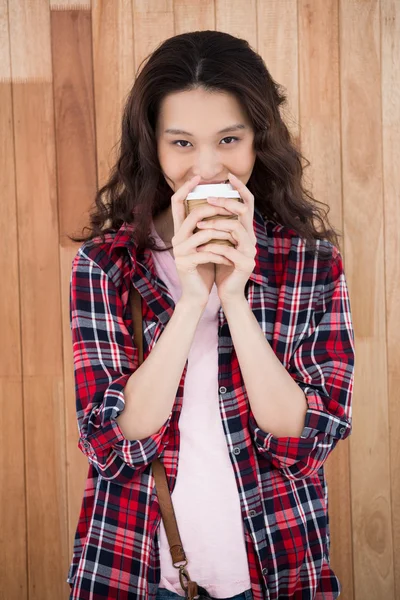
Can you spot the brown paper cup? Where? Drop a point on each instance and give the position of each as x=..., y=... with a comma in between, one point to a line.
x=191, y=205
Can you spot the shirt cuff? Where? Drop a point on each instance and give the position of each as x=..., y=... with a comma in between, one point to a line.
x=104, y=444
x=321, y=431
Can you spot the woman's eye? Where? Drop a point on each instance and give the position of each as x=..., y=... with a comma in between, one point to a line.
x=177, y=142
x=230, y=138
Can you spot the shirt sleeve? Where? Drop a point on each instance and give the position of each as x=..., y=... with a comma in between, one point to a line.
x=323, y=367
x=104, y=358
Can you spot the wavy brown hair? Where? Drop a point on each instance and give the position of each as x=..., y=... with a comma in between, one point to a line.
x=137, y=191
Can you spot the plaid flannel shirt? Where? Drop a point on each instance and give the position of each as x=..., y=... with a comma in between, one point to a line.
x=302, y=305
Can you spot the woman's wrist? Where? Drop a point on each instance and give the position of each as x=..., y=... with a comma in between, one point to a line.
x=190, y=306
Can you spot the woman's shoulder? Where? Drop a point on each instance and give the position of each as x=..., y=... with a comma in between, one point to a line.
x=104, y=254
x=286, y=242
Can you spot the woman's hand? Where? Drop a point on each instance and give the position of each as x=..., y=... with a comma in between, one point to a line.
x=231, y=279
x=195, y=269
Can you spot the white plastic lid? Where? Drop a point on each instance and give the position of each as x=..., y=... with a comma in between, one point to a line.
x=222, y=190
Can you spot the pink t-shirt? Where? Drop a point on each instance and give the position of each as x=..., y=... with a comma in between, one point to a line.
x=205, y=500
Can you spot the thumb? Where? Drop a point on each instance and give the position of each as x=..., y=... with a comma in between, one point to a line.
x=178, y=200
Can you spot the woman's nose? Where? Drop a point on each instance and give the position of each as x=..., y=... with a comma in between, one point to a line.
x=207, y=164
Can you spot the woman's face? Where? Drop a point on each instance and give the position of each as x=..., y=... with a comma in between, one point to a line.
x=201, y=147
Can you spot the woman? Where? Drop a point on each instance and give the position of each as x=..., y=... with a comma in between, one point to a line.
x=247, y=378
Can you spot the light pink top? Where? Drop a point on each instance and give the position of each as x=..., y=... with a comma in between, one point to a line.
x=205, y=498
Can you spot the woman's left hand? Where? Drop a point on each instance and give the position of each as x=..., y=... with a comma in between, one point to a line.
x=231, y=280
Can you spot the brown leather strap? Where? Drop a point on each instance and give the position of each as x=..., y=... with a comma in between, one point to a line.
x=136, y=308
x=168, y=513
x=160, y=477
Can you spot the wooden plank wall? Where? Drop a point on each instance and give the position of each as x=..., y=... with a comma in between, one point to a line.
x=65, y=69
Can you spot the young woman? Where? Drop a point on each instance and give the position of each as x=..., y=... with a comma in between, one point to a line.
x=247, y=378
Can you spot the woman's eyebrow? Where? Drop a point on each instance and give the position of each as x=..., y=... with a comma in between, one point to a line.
x=236, y=127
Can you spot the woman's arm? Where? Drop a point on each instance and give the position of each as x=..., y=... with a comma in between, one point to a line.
x=105, y=358
x=322, y=366
x=151, y=390
x=278, y=404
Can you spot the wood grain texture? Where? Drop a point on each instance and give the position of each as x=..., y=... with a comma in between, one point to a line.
x=76, y=183
x=41, y=338
x=69, y=5
x=39, y=272
x=192, y=15
x=319, y=90
x=153, y=22
x=364, y=234
x=66, y=68
x=30, y=52
x=277, y=35
x=113, y=76
x=237, y=18
x=390, y=64
x=13, y=556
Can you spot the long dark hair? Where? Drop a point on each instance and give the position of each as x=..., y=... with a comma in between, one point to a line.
x=137, y=191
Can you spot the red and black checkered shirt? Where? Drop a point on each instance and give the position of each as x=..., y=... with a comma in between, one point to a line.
x=302, y=305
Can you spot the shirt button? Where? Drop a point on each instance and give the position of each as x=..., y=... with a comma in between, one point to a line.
x=236, y=451
x=222, y=390
x=86, y=444
x=342, y=430
x=265, y=571
x=252, y=513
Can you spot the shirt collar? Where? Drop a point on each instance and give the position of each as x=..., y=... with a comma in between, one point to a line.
x=124, y=238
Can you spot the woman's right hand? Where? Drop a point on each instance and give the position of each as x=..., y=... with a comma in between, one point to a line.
x=196, y=270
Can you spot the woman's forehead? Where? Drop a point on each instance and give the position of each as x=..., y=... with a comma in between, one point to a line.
x=191, y=112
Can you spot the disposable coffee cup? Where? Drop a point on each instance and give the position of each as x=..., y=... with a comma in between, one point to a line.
x=198, y=197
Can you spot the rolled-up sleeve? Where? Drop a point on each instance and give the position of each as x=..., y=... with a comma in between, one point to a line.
x=323, y=367
x=104, y=358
